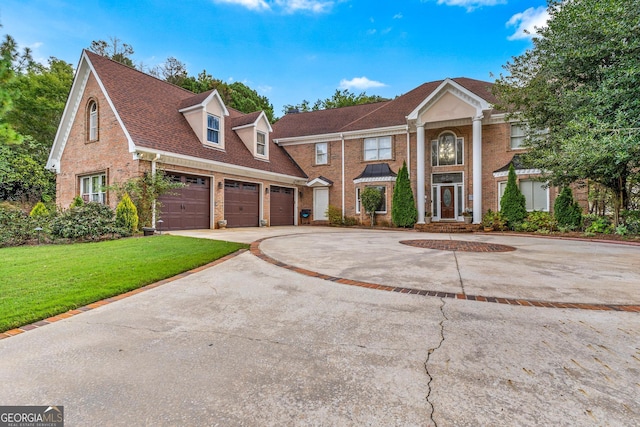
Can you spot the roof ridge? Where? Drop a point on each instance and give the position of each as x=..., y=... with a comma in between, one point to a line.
x=385, y=103
x=138, y=71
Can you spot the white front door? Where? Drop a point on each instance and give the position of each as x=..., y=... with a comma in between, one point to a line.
x=320, y=204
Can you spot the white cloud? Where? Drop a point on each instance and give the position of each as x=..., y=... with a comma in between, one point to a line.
x=249, y=4
x=372, y=31
x=526, y=22
x=471, y=4
x=315, y=6
x=360, y=83
x=397, y=16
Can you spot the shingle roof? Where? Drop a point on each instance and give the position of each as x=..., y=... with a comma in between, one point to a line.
x=377, y=170
x=149, y=108
x=369, y=116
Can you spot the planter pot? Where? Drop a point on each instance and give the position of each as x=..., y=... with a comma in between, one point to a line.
x=263, y=223
x=487, y=229
x=427, y=219
x=467, y=219
x=222, y=224
x=148, y=231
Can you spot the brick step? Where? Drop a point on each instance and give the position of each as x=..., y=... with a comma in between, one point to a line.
x=447, y=227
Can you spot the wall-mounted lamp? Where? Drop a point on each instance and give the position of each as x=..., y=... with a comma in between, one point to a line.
x=266, y=190
x=219, y=185
x=300, y=194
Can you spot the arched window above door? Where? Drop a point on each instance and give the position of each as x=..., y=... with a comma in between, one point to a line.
x=447, y=150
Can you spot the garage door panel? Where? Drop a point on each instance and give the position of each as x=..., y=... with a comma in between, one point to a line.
x=282, y=205
x=241, y=204
x=188, y=207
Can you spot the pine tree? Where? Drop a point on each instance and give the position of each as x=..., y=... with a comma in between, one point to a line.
x=513, y=204
x=127, y=214
x=566, y=210
x=403, y=210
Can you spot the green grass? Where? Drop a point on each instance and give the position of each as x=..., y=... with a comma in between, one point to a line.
x=37, y=282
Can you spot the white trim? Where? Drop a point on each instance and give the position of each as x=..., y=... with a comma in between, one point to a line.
x=436, y=214
x=202, y=105
x=318, y=182
x=228, y=168
x=364, y=133
x=255, y=122
x=518, y=172
x=375, y=179
x=450, y=86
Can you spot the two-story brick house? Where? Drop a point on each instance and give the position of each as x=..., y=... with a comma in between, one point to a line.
x=119, y=123
x=457, y=146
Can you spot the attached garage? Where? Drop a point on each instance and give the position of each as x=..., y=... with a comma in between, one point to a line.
x=282, y=206
x=241, y=204
x=189, y=207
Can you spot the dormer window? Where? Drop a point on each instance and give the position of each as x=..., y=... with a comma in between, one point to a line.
x=261, y=144
x=213, y=129
x=92, y=121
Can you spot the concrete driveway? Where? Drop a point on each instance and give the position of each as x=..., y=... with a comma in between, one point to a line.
x=252, y=341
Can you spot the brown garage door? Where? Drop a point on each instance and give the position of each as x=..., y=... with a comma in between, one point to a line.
x=241, y=204
x=281, y=211
x=186, y=208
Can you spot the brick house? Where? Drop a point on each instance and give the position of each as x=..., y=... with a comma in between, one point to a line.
x=119, y=123
x=456, y=145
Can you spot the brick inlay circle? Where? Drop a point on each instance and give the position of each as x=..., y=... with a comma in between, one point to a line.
x=458, y=245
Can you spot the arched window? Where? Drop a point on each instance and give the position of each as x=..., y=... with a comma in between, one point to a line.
x=447, y=150
x=92, y=113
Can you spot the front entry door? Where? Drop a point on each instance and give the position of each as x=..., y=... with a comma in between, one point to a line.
x=447, y=205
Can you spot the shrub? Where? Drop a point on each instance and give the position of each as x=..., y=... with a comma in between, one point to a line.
x=494, y=220
x=88, y=222
x=16, y=227
x=127, y=214
x=567, y=211
x=77, y=202
x=39, y=210
x=350, y=220
x=513, y=202
x=597, y=224
x=334, y=214
x=631, y=220
x=540, y=222
x=403, y=210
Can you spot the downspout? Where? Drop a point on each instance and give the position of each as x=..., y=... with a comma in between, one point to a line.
x=153, y=204
x=343, y=184
x=409, y=153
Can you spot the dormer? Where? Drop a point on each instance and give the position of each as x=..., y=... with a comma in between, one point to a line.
x=206, y=114
x=254, y=129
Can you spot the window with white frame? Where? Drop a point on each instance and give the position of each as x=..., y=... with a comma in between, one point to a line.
x=518, y=134
x=213, y=129
x=357, y=200
x=536, y=194
x=447, y=150
x=92, y=188
x=261, y=147
x=93, y=121
x=322, y=153
x=377, y=148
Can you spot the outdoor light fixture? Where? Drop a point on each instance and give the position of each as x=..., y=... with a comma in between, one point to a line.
x=159, y=222
x=266, y=190
x=219, y=185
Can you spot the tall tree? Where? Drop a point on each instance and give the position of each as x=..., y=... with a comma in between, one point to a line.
x=340, y=98
x=114, y=49
x=513, y=203
x=8, y=52
x=579, y=83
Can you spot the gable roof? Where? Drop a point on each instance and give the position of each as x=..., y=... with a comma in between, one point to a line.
x=372, y=116
x=148, y=109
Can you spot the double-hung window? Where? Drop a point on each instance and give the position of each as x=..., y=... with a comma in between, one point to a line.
x=92, y=188
x=261, y=147
x=377, y=148
x=213, y=129
x=518, y=134
x=536, y=194
x=321, y=153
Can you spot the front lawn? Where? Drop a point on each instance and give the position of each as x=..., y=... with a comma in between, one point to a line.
x=37, y=282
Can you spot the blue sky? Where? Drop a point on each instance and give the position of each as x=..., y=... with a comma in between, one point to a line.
x=290, y=50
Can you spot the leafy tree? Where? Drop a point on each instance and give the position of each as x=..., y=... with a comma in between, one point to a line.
x=513, y=204
x=371, y=198
x=344, y=98
x=403, y=212
x=114, y=49
x=579, y=82
x=566, y=210
x=8, y=52
x=173, y=71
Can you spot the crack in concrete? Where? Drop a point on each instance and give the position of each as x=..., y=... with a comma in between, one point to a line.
x=455, y=256
x=426, y=363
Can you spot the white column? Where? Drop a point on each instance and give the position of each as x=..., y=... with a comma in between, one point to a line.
x=420, y=172
x=477, y=169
